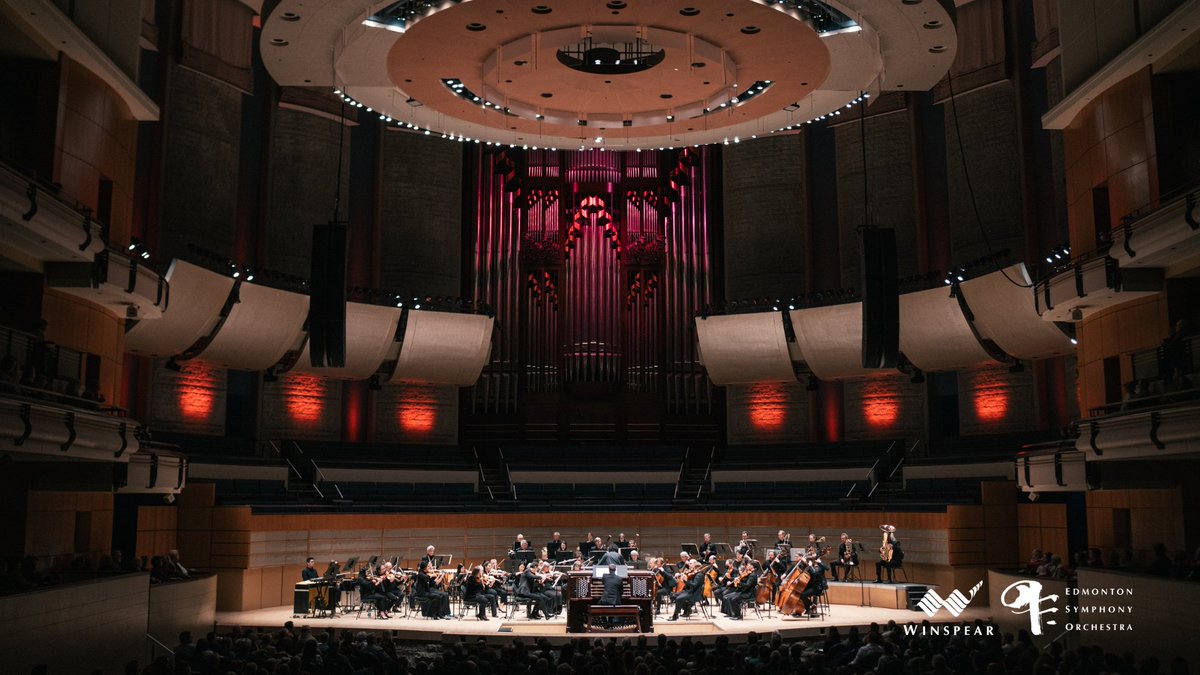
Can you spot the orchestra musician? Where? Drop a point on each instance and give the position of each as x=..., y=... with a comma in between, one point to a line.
x=774, y=568
x=891, y=555
x=816, y=581
x=551, y=582
x=622, y=543
x=309, y=573
x=693, y=591
x=665, y=579
x=388, y=589
x=529, y=589
x=429, y=558
x=475, y=592
x=555, y=545
x=493, y=578
x=784, y=547
x=707, y=547
x=612, y=557
x=585, y=546
x=519, y=544
x=684, y=559
x=612, y=587
x=635, y=560
x=435, y=603
x=742, y=588
x=725, y=580
x=367, y=591
x=745, y=546
x=847, y=558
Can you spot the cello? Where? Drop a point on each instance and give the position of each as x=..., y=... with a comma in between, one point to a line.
x=789, y=600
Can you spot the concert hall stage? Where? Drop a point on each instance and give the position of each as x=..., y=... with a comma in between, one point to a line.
x=500, y=629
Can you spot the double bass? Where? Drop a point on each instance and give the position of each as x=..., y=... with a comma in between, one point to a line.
x=766, y=587
x=789, y=600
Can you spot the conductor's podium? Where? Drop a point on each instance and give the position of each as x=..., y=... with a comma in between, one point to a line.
x=584, y=591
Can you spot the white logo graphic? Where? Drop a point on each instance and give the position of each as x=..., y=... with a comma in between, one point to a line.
x=955, y=603
x=1028, y=600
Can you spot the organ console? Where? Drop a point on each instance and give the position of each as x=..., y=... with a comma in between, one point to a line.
x=584, y=589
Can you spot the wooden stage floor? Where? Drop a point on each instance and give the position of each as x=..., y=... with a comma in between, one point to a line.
x=502, y=630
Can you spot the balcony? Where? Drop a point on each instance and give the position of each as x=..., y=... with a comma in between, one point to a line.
x=40, y=225
x=115, y=282
x=1093, y=284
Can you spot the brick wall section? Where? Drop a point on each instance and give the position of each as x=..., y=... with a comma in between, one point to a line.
x=417, y=413
x=301, y=407
x=992, y=400
x=421, y=214
x=192, y=401
x=304, y=166
x=890, y=182
x=987, y=119
x=769, y=412
x=884, y=407
x=200, y=185
x=765, y=217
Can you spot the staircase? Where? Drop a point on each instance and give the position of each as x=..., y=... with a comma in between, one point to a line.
x=694, y=476
x=305, y=481
x=493, y=475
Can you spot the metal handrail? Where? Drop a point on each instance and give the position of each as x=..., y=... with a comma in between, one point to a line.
x=712, y=456
x=158, y=642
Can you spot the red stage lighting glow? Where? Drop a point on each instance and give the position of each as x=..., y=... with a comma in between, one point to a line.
x=416, y=411
x=768, y=406
x=196, y=385
x=991, y=393
x=304, y=397
x=881, y=404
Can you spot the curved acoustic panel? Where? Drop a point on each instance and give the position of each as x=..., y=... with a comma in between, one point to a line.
x=830, y=340
x=370, y=332
x=1005, y=313
x=197, y=296
x=745, y=348
x=261, y=327
x=934, y=334
x=444, y=348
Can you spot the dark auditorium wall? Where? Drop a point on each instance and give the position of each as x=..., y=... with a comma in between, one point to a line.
x=417, y=413
x=301, y=406
x=202, y=133
x=190, y=401
x=304, y=170
x=884, y=407
x=765, y=217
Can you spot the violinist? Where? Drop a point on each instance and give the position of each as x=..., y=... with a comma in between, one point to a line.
x=707, y=547
x=665, y=579
x=435, y=603
x=529, y=589
x=429, y=558
x=685, y=559
x=475, y=593
x=745, y=587
x=693, y=590
x=725, y=580
x=368, y=592
x=784, y=547
x=493, y=581
x=550, y=587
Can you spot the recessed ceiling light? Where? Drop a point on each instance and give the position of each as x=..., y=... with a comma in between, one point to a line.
x=751, y=30
x=476, y=27
x=689, y=11
x=290, y=16
x=279, y=42
x=541, y=9
x=933, y=24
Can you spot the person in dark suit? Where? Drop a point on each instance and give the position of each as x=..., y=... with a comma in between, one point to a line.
x=745, y=588
x=435, y=603
x=585, y=546
x=612, y=587
x=429, y=558
x=896, y=561
x=529, y=589
x=555, y=545
x=309, y=573
x=693, y=592
x=816, y=583
x=707, y=547
x=368, y=593
x=635, y=560
x=847, y=559
x=666, y=582
x=475, y=593
x=612, y=557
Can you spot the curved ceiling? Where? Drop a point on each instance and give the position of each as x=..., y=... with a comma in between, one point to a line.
x=518, y=72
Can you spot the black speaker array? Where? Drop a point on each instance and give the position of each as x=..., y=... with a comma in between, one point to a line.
x=880, y=299
x=327, y=304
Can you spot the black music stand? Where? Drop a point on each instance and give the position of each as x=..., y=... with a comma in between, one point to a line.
x=690, y=548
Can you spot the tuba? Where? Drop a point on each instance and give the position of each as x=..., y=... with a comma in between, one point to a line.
x=885, y=549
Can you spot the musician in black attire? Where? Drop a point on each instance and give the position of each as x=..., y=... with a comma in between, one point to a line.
x=429, y=558
x=746, y=588
x=612, y=587
x=847, y=559
x=693, y=592
x=555, y=545
x=816, y=583
x=389, y=588
x=529, y=589
x=367, y=592
x=622, y=542
x=475, y=593
x=725, y=579
x=666, y=582
x=586, y=546
x=612, y=557
x=707, y=547
x=435, y=603
x=897, y=559
x=309, y=573
x=635, y=560
x=784, y=546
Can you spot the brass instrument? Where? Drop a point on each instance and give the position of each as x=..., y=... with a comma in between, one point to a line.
x=885, y=549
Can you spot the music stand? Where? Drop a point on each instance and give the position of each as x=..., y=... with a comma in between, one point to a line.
x=560, y=556
x=625, y=551
x=595, y=557
x=333, y=570
x=600, y=570
x=442, y=560
x=350, y=563
x=724, y=550
x=374, y=560
x=690, y=548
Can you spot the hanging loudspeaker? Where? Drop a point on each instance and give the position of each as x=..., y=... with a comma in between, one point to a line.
x=327, y=304
x=880, y=299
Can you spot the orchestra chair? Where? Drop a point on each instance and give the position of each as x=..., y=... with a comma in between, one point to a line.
x=465, y=605
x=368, y=603
x=751, y=604
x=852, y=573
